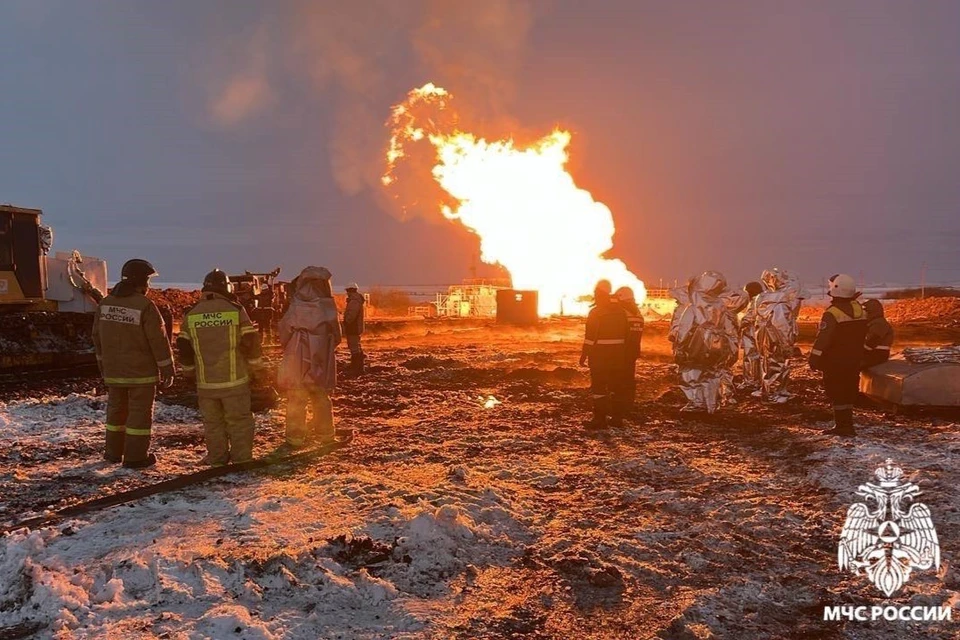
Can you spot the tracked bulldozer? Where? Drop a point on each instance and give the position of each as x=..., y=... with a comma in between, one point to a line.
x=46, y=301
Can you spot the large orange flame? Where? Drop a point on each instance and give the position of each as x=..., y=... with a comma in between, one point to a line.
x=525, y=207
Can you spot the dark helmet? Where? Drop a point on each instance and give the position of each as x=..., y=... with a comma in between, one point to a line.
x=217, y=281
x=753, y=289
x=137, y=270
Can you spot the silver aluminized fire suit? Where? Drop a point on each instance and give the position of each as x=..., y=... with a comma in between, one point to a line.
x=777, y=308
x=705, y=339
x=748, y=342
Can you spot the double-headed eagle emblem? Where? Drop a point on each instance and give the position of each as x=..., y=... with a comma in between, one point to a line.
x=893, y=538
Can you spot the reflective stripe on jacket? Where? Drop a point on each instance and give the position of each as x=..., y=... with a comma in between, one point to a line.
x=219, y=344
x=130, y=340
x=634, y=329
x=605, y=335
x=839, y=344
x=878, y=342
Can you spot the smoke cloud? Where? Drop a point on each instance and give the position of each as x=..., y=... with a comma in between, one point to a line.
x=237, y=80
x=345, y=54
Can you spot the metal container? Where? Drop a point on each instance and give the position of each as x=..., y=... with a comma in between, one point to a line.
x=904, y=383
x=517, y=307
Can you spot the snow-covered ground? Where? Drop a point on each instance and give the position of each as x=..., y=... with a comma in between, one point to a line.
x=454, y=516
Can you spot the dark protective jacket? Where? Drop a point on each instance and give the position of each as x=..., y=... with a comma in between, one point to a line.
x=605, y=337
x=130, y=339
x=879, y=338
x=353, y=314
x=634, y=329
x=839, y=343
x=219, y=344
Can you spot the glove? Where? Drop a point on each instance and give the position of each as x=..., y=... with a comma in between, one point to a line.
x=166, y=376
x=583, y=360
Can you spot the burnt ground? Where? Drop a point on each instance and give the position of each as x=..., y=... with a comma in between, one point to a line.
x=674, y=526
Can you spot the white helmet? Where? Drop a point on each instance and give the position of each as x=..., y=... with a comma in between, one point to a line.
x=352, y=285
x=624, y=294
x=842, y=286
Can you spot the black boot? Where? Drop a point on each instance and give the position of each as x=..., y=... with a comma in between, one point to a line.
x=616, y=419
x=843, y=420
x=361, y=359
x=149, y=461
x=599, y=420
x=355, y=368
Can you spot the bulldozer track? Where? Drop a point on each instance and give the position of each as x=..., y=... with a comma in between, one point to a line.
x=175, y=484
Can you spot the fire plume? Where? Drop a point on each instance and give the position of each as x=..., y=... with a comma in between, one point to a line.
x=530, y=215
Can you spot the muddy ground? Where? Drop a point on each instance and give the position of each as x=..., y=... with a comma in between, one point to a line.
x=674, y=526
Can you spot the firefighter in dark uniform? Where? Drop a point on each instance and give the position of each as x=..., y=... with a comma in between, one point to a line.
x=604, y=347
x=134, y=357
x=838, y=351
x=879, y=340
x=625, y=299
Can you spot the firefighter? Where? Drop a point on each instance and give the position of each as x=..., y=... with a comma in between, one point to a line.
x=838, y=351
x=134, y=356
x=353, y=328
x=604, y=348
x=625, y=299
x=309, y=333
x=879, y=340
x=220, y=347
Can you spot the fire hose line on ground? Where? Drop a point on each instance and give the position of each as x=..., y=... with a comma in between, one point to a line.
x=173, y=484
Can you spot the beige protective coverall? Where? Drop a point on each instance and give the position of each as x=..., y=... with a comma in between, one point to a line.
x=220, y=346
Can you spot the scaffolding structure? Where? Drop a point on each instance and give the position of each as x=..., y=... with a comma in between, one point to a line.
x=473, y=298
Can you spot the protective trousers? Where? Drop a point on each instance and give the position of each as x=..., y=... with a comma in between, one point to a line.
x=129, y=420
x=775, y=369
x=227, y=427
x=356, y=356
x=702, y=387
x=842, y=387
x=321, y=424
x=629, y=386
x=353, y=342
x=751, y=362
x=608, y=392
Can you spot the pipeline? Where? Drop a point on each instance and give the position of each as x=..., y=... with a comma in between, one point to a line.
x=175, y=484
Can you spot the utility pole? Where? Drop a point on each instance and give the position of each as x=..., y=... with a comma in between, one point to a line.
x=923, y=279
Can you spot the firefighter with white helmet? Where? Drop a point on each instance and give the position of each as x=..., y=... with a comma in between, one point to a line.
x=838, y=351
x=134, y=357
x=353, y=327
x=220, y=347
x=625, y=298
